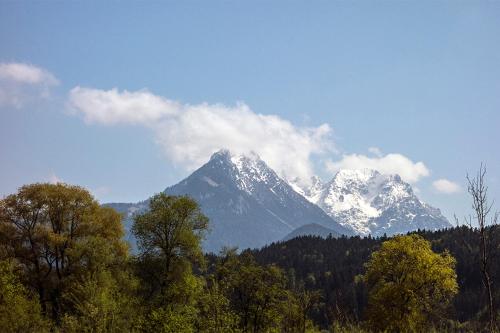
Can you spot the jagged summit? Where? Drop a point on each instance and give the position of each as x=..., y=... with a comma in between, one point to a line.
x=248, y=171
x=221, y=154
x=248, y=204
x=369, y=202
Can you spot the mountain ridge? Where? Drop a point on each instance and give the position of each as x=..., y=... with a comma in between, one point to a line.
x=249, y=205
x=369, y=202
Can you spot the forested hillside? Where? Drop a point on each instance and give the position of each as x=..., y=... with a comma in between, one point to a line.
x=334, y=267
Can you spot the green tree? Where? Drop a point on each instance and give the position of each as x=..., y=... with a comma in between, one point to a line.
x=169, y=238
x=19, y=311
x=408, y=284
x=58, y=234
x=257, y=293
x=296, y=310
x=101, y=302
x=215, y=312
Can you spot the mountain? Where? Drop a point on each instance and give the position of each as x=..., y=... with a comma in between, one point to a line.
x=368, y=202
x=247, y=203
x=312, y=229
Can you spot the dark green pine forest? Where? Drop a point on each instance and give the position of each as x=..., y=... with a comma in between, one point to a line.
x=65, y=267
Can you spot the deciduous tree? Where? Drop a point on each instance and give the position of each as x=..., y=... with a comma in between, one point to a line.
x=57, y=233
x=408, y=284
x=485, y=219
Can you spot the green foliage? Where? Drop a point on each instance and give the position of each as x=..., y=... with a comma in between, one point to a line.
x=215, y=311
x=409, y=284
x=101, y=302
x=169, y=237
x=174, y=318
x=297, y=309
x=19, y=311
x=337, y=327
x=57, y=233
x=257, y=293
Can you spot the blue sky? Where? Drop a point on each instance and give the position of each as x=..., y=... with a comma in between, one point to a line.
x=419, y=80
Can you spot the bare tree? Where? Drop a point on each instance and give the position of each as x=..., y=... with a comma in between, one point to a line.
x=485, y=218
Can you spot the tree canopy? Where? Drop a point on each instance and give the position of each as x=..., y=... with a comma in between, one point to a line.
x=59, y=236
x=408, y=284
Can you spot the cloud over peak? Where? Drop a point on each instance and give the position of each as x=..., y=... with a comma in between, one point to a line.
x=399, y=164
x=189, y=134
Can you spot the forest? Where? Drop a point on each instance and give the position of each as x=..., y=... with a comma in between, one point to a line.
x=65, y=267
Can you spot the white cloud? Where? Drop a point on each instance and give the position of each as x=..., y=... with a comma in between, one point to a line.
x=389, y=164
x=114, y=107
x=189, y=134
x=22, y=83
x=27, y=74
x=446, y=186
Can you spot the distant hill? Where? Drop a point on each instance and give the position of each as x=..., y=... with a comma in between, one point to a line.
x=312, y=229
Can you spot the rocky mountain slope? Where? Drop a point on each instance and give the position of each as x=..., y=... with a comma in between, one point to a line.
x=368, y=202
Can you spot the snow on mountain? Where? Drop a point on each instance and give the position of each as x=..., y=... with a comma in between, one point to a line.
x=247, y=203
x=368, y=202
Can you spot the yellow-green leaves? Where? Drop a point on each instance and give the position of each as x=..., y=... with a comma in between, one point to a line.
x=59, y=234
x=408, y=284
x=19, y=309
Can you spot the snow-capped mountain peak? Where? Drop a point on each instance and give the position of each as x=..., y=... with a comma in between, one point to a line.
x=369, y=202
x=247, y=203
x=247, y=170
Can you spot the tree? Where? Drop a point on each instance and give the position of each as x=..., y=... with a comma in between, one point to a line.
x=169, y=238
x=19, y=310
x=257, y=293
x=101, y=302
x=408, y=284
x=215, y=311
x=478, y=190
x=299, y=303
x=52, y=231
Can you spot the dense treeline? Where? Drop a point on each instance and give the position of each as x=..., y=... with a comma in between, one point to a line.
x=64, y=267
x=334, y=266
